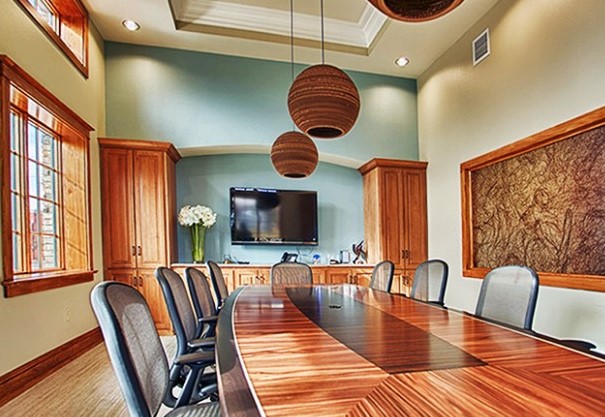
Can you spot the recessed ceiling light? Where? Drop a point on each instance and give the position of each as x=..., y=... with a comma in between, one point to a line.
x=402, y=61
x=131, y=25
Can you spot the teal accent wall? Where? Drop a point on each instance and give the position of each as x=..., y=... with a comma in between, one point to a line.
x=206, y=180
x=195, y=99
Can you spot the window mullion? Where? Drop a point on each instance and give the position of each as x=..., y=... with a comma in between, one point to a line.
x=25, y=218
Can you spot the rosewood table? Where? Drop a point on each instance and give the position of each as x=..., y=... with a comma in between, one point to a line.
x=350, y=351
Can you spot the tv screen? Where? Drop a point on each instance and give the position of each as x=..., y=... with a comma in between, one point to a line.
x=273, y=217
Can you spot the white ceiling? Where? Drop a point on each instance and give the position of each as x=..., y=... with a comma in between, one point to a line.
x=357, y=36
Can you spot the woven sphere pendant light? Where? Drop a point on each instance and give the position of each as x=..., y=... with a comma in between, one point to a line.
x=415, y=10
x=294, y=155
x=323, y=102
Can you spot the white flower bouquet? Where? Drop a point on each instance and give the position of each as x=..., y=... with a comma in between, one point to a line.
x=197, y=218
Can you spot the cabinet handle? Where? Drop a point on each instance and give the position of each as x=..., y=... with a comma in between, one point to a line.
x=405, y=254
x=134, y=250
x=402, y=253
x=139, y=250
x=141, y=282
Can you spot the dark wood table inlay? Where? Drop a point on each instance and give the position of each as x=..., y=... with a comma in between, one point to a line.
x=360, y=327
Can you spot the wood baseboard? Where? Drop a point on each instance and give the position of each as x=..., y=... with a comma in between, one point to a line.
x=26, y=376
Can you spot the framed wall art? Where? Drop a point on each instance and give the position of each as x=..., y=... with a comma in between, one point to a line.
x=540, y=202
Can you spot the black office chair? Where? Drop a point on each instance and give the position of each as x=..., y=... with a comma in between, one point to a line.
x=430, y=280
x=203, y=303
x=187, y=331
x=382, y=276
x=508, y=295
x=137, y=355
x=218, y=282
x=291, y=273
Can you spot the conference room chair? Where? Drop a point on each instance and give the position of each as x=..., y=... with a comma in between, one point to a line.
x=218, y=282
x=203, y=303
x=382, y=276
x=508, y=295
x=291, y=273
x=187, y=332
x=137, y=355
x=430, y=281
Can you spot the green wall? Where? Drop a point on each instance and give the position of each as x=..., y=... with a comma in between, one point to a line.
x=206, y=180
x=196, y=99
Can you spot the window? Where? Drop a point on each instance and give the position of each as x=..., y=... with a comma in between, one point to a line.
x=66, y=24
x=46, y=220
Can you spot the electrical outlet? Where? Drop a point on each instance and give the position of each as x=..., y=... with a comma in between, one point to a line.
x=67, y=314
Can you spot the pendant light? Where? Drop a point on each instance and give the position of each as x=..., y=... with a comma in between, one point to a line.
x=323, y=100
x=294, y=154
x=417, y=10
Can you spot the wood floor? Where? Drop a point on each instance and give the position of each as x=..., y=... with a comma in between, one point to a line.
x=85, y=387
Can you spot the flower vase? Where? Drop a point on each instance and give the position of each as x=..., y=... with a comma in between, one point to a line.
x=198, y=240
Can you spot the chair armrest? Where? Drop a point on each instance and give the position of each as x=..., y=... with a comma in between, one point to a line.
x=208, y=319
x=195, y=358
x=202, y=343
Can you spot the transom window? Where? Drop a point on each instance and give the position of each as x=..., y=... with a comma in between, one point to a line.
x=46, y=225
x=65, y=22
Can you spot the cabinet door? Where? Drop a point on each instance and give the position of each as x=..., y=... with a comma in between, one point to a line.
x=149, y=286
x=363, y=278
x=319, y=275
x=150, y=209
x=414, y=234
x=338, y=276
x=125, y=276
x=119, y=247
x=392, y=217
x=245, y=277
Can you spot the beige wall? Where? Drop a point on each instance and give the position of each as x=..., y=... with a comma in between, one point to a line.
x=31, y=325
x=547, y=65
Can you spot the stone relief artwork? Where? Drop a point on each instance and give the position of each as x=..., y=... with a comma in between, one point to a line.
x=544, y=208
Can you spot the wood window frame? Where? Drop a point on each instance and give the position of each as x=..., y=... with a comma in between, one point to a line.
x=66, y=121
x=564, y=131
x=72, y=17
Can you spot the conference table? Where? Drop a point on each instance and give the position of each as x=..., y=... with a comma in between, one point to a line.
x=344, y=350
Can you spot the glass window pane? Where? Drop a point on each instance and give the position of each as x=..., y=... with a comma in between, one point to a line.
x=34, y=215
x=16, y=212
x=47, y=184
x=35, y=252
x=16, y=173
x=48, y=217
x=49, y=252
x=32, y=141
x=47, y=149
x=32, y=178
x=15, y=124
x=17, y=261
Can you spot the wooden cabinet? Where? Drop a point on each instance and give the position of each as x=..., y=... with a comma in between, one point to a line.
x=395, y=213
x=139, y=215
x=248, y=276
x=337, y=275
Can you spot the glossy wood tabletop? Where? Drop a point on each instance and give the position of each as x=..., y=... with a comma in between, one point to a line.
x=350, y=351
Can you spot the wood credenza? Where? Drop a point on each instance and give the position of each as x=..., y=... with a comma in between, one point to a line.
x=237, y=275
x=139, y=216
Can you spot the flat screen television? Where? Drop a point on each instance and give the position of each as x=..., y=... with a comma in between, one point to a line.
x=262, y=216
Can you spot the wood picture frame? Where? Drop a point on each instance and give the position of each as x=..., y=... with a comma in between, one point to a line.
x=540, y=202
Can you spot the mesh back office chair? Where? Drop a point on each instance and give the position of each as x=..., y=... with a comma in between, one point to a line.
x=187, y=333
x=136, y=352
x=430, y=280
x=218, y=282
x=203, y=304
x=508, y=295
x=382, y=276
x=291, y=273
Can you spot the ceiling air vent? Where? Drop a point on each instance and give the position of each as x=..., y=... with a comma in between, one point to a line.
x=481, y=47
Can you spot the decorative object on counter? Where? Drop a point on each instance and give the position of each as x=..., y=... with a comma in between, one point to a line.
x=197, y=218
x=316, y=259
x=293, y=154
x=415, y=11
x=345, y=257
x=360, y=253
x=323, y=100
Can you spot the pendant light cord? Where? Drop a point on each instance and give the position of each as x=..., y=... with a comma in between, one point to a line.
x=292, y=49
x=322, y=32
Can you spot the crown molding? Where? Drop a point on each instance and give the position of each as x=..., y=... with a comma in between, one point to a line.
x=243, y=21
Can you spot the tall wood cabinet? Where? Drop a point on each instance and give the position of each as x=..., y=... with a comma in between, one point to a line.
x=139, y=215
x=395, y=218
